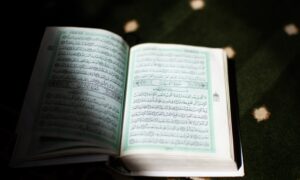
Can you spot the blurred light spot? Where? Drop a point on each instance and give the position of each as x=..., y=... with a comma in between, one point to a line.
x=291, y=29
x=230, y=52
x=197, y=4
x=261, y=113
x=131, y=26
x=199, y=178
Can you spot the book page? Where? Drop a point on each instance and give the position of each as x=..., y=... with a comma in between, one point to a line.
x=169, y=105
x=81, y=99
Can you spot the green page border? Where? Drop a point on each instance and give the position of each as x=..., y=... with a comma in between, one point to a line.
x=211, y=127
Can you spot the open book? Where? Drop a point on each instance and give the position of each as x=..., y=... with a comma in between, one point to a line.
x=162, y=109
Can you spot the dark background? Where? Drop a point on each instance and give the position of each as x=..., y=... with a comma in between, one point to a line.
x=267, y=65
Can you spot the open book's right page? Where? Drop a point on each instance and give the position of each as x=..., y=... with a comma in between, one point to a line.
x=177, y=102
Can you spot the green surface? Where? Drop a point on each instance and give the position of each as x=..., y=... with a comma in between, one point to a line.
x=267, y=67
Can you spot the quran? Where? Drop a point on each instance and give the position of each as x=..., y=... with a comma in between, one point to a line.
x=160, y=109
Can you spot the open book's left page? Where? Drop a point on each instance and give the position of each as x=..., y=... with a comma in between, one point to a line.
x=75, y=97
